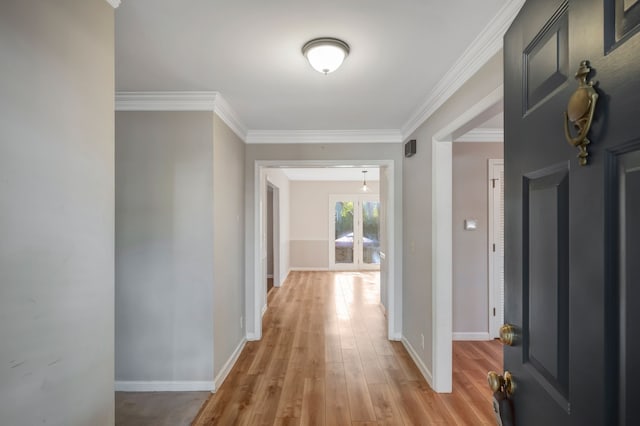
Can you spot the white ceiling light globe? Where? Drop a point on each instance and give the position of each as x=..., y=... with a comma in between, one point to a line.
x=325, y=54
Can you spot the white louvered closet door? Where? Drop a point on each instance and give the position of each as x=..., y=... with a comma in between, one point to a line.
x=496, y=246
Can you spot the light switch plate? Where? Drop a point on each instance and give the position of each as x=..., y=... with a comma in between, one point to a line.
x=470, y=224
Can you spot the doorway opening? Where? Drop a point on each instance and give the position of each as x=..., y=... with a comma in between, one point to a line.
x=442, y=231
x=272, y=225
x=390, y=240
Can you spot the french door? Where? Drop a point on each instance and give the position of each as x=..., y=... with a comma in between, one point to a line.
x=354, y=232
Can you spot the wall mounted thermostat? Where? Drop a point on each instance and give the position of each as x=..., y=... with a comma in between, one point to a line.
x=470, y=224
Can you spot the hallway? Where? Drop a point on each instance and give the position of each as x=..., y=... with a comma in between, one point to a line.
x=324, y=359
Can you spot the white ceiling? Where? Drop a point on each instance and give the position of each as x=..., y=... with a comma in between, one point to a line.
x=496, y=122
x=249, y=52
x=332, y=173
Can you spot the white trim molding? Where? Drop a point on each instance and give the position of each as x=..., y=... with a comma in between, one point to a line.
x=442, y=243
x=416, y=359
x=488, y=43
x=323, y=136
x=230, y=117
x=475, y=335
x=442, y=262
x=163, y=386
x=252, y=337
x=182, y=101
x=307, y=269
x=226, y=368
x=482, y=135
x=166, y=101
x=114, y=3
x=255, y=290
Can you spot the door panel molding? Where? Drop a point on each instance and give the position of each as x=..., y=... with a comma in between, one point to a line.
x=546, y=60
x=622, y=21
x=623, y=250
x=545, y=278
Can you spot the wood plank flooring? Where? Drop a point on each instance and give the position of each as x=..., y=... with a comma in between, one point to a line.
x=324, y=359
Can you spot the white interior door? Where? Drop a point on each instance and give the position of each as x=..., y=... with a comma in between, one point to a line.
x=496, y=246
x=354, y=232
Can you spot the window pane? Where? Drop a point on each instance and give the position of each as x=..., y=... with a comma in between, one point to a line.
x=344, y=232
x=371, y=232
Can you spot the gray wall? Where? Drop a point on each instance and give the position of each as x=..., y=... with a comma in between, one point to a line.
x=164, y=246
x=417, y=181
x=470, y=248
x=317, y=152
x=228, y=225
x=56, y=212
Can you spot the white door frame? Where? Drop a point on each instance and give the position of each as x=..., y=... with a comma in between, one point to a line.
x=358, y=252
x=442, y=241
x=276, y=231
x=496, y=258
x=255, y=294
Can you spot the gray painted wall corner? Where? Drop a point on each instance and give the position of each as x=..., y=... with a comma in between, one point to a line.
x=418, y=208
x=57, y=220
x=229, y=240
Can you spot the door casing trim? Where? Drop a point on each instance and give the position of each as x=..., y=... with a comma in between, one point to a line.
x=442, y=241
x=255, y=292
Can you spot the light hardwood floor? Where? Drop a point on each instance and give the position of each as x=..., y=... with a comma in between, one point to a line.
x=324, y=359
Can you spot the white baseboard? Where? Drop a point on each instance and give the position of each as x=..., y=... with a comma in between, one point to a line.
x=252, y=337
x=397, y=337
x=383, y=309
x=284, y=278
x=307, y=268
x=226, y=368
x=269, y=275
x=163, y=386
x=264, y=309
x=414, y=356
x=483, y=335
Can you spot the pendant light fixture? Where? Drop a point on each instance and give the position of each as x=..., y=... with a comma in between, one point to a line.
x=325, y=54
x=364, y=188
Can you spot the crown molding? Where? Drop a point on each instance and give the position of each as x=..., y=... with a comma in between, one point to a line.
x=482, y=135
x=230, y=117
x=166, y=101
x=487, y=44
x=114, y=3
x=323, y=136
x=182, y=101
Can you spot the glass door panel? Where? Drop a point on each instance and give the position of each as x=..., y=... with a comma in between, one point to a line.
x=344, y=232
x=354, y=232
x=371, y=232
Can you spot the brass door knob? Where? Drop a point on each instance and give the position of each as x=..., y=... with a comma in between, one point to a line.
x=502, y=383
x=509, y=335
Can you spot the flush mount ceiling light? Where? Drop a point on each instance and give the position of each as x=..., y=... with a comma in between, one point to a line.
x=325, y=54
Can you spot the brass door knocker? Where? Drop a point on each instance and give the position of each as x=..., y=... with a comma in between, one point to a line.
x=582, y=105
